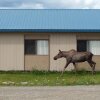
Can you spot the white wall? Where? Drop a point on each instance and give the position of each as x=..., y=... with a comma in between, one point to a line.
x=11, y=51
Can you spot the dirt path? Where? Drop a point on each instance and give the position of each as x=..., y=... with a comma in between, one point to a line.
x=50, y=93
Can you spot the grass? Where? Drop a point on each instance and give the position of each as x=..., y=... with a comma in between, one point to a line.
x=42, y=78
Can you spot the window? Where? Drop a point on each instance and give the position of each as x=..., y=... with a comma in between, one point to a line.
x=36, y=47
x=89, y=45
x=81, y=45
x=30, y=47
x=42, y=47
x=94, y=47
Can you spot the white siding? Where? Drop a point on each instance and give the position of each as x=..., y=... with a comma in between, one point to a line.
x=11, y=51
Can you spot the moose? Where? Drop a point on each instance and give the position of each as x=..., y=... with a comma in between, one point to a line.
x=72, y=56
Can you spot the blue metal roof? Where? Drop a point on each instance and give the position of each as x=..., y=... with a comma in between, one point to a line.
x=45, y=20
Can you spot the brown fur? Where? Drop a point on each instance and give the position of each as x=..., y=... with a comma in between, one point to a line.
x=72, y=56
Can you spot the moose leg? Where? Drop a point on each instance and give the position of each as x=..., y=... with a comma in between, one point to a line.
x=65, y=67
x=75, y=67
x=91, y=65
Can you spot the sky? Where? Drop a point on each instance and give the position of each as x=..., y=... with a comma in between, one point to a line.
x=49, y=4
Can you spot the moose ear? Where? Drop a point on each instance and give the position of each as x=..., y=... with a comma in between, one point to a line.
x=59, y=50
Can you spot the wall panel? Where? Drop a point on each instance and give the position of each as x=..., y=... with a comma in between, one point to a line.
x=89, y=36
x=64, y=41
x=37, y=62
x=11, y=51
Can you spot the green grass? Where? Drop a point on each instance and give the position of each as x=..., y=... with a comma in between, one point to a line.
x=42, y=78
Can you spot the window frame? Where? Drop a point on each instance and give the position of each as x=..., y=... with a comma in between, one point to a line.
x=36, y=48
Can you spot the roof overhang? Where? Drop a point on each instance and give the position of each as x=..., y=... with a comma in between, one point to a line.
x=51, y=30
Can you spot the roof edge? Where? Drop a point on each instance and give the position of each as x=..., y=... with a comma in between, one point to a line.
x=50, y=30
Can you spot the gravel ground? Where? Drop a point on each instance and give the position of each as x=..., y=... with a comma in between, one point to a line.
x=51, y=93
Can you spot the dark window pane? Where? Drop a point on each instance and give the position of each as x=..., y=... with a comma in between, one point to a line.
x=81, y=45
x=30, y=47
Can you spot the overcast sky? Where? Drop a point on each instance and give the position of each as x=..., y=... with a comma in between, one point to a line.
x=50, y=4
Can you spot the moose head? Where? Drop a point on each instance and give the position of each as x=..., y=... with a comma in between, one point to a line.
x=59, y=55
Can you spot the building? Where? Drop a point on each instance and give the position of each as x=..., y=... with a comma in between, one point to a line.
x=29, y=39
